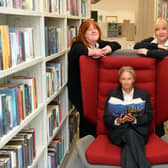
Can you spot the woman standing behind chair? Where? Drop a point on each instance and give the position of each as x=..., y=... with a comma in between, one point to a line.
x=155, y=47
x=129, y=132
x=88, y=42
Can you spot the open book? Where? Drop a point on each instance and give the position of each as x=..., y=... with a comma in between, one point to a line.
x=116, y=107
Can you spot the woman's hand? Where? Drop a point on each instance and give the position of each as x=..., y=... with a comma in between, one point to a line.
x=160, y=46
x=142, y=51
x=107, y=49
x=121, y=119
x=131, y=117
x=95, y=53
x=126, y=118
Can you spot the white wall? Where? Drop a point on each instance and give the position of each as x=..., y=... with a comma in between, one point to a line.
x=124, y=9
x=145, y=19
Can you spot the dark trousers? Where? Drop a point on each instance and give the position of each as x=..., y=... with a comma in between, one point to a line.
x=133, y=149
x=160, y=130
x=86, y=128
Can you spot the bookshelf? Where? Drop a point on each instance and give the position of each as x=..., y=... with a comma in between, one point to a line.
x=49, y=27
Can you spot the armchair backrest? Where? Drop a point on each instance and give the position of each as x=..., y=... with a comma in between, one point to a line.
x=162, y=91
x=98, y=77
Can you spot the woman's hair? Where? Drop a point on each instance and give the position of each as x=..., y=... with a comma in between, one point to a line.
x=82, y=30
x=161, y=21
x=127, y=69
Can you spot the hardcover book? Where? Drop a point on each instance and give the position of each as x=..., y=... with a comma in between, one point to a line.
x=117, y=107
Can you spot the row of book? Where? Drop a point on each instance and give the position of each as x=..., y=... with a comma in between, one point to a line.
x=17, y=100
x=20, y=151
x=16, y=46
x=71, y=32
x=72, y=7
x=83, y=8
x=74, y=120
x=53, y=40
x=55, y=152
x=18, y=4
x=53, y=77
x=54, y=115
x=54, y=6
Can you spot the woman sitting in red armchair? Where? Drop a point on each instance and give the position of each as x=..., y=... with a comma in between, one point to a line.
x=127, y=131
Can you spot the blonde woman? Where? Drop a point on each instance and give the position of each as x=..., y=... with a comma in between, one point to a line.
x=129, y=132
x=155, y=47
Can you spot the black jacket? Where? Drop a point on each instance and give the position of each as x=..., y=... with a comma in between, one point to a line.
x=74, y=85
x=153, y=50
x=142, y=121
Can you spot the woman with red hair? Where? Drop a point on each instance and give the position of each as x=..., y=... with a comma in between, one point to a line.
x=87, y=42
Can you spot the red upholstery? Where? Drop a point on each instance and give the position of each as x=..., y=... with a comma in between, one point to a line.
x=89, y=71
x=100, y=76
x=162, y=91
x=102, y=151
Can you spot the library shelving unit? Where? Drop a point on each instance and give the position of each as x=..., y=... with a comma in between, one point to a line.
x=42, y=17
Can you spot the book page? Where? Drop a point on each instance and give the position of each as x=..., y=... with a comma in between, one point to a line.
x=114, y=100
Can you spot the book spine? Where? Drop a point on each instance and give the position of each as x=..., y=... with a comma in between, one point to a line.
x=1, y=61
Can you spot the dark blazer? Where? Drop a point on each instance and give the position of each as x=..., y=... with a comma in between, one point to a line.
x=74, y=85
x=153, y=50
x=142, y=121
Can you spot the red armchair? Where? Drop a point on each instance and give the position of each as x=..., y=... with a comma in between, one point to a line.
x=100, y=76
